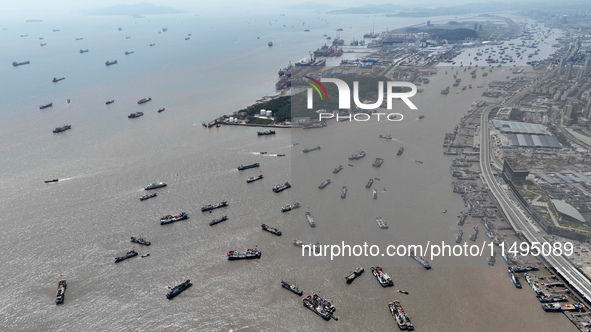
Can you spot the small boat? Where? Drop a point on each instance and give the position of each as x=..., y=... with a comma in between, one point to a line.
x=143, y=198
x=45, y=106
x=375, y=194
x=128, y=52
x=270, y=44
x=369, y=183
x=109, y=102
x=61, y=292
x=161, y=110
x=344, y=192
x=135, y=115
x=146, y=255
x=50, y=181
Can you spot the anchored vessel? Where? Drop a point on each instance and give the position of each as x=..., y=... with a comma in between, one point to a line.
x=50, y=181
x=281, y=187
x=83, y=51
x=389, y=136
x=400, y=151
x=243, y=167
x=169, y=219
x=61, y=292
x=271, y=229
x=140, y=240
x=421, y=117
x=474, y=233
x=422, y=260
x=161, y=110
x=108, y=63
x=400, y=316
x=145, y=197
x=268, y=132
x=344, y=192
x=292, y=288
x=381, y=223
x=58, y=79
x=378, y=162
x=369, y=183
x=492, y=258
x=45, y=106
x=324, y=184
x=382, y=277
x=144, y=100
x=210, y=207
x=462, y=217
x=178, y=289
x=135, y=115
x=459, y=236
x=338, y=169
x=155, y=185
x=514, y=277
x=254, y=178
x=319, y=306
x=62, y=128
x=289, y=207
x=310, y=219
x=375, y=194
x=525, y=268
x=310, y=150
x=108, y=102
x=359, y=155
x=358, y=271
x=129, y=254
x=248, y=254
x=309, y=246
x=16, y=64
x=218, y=220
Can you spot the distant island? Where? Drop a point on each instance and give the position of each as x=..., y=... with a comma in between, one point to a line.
x=142, y=8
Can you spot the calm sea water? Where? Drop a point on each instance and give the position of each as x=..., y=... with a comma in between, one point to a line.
x=77, y=226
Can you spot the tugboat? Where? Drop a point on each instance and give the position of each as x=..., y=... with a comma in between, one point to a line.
x=61, y=292
x=270, y=229
x=382, y=277
x=242, y=167
x=378, y=162
x=514, y=277
x=50, y=181
x=109, y=102
x=292, y=288
x=129, y=254
x=310, y=219
x=254, y=178
x=281, y=187
x=178, y=289
x=359, y=155
x=358, y=271
x=420, y=259
x=249, y=254
x=389, y=136
x=144, y=100
x=210, y=207
x=169, y=219
x=344, y=192
x=400, y=151
x=369, y=183
x=474, y=233
x=310, y=150
x=381, y=223
x=320, y=306
x=218, y=220
x=264, y=133
x=338, y=169
x=145, y=197
x=45, y=106
x=135, y=115
x=400, y=316
x=140, y=240
x=459, y=236
x=324, y=184
x=155, y=185
x=62, y=128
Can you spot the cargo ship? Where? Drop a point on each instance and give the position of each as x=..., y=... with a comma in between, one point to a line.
x=254, y=178
x=356, y=156
x=109, y=102
x=290, y=207
x=58, y=79
x=344, y=192
x=400, y=151
x=292, y=288
x=270, y=229
x=61, y=292
x=310, y=219
x=264, y=133
x=378, y=162
x=45, y=106
x=135, y=115
x=16, y=64
x=400, y=316
x=514, y=277
x=50, y=181
x=320, y=306
x=169, y=219
x=83, y=51
x=525, y=268
x=369, y=183
x=129, y=254
x=210, y=207
x=62, y=128
x=140, y=240
x=242, y=167
x=108, y=63
x=218, y=220
x=144, y=100
x=474, y=233
x=382, y=277
x=324, y=184
x=161, y=110
x=128, y=52
x=248, y=254
x=554, y=307
x=145, y=197
x=338, y=169
x=281, y=187
x=420, y=259
x=310, y=150
x=155, y=185
x=353, y=275
x=381, y=223
x=173, y=292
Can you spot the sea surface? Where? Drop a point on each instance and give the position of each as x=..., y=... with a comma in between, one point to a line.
x=77, y=226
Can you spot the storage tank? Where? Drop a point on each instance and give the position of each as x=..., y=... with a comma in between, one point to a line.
x=269, y=114
x=263, y=112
